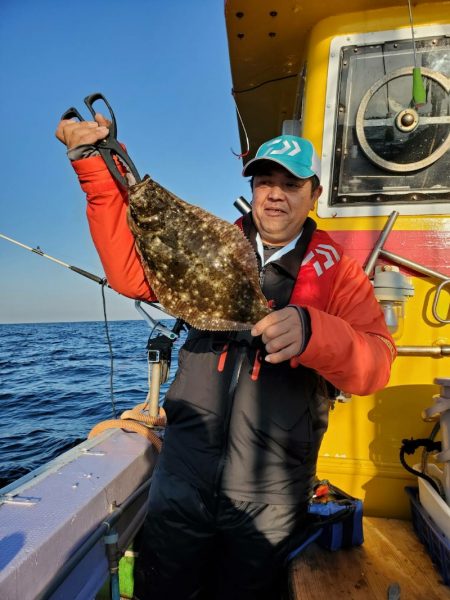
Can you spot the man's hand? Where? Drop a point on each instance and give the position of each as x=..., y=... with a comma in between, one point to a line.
x=282, y=333
x=76, y=133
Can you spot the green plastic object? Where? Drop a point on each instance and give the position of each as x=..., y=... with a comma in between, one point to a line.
x=419, y=92
x=126, y=580
x=126, y=576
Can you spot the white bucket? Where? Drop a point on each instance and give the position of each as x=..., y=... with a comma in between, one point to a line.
x=435, y=506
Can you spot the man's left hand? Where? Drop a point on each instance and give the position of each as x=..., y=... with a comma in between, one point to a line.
x=282, y=334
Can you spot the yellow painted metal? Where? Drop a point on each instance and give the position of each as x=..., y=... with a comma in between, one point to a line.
x=360, y=452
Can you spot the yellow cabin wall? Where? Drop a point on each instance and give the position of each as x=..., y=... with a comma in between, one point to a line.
x=360, y=452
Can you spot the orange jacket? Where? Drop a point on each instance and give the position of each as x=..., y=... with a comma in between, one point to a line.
x=350, y=345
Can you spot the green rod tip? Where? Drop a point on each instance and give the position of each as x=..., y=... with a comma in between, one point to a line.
x=419, y=93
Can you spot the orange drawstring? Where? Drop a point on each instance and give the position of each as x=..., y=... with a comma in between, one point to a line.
x=256, y=366
x=222, y=358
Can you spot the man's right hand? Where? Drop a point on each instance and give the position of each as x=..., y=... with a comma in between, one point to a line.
x=78, y=133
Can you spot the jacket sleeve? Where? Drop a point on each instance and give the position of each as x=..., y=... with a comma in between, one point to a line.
x=107, y=216
x=350, y=344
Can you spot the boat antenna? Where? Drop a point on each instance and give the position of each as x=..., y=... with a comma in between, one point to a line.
x=419, y=95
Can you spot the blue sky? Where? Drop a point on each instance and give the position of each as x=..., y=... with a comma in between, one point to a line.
x=164, y=68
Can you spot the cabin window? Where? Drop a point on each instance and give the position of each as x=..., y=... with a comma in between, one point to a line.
x=380, y=150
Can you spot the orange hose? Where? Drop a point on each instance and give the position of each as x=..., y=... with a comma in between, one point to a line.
x=136, y=414
x=134, y=420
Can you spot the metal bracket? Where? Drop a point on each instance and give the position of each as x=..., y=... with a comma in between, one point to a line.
x=19, y=500
x=154, y=324
x=92, y=452
x=393, y=592
x=378, y=250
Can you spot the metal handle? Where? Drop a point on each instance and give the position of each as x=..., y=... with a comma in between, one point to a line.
x=372, y=259
x=436, y=300
x=243, y=206
x=155, y=386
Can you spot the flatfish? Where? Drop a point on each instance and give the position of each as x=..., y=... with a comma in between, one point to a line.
x=202, y=269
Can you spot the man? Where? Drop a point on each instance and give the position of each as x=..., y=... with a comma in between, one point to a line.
x=247, y=411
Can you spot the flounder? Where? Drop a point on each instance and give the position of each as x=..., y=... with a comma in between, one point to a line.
x=202, y=269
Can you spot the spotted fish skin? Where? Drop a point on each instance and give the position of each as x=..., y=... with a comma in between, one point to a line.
x=202, y=269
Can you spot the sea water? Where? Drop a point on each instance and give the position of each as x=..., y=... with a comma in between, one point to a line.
x=55, y=385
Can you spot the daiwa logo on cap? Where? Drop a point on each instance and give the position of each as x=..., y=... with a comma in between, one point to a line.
x=295, y=154
x=291, y=148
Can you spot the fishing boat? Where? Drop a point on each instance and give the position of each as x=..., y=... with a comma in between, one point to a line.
x=368, y=83
x=65, y=526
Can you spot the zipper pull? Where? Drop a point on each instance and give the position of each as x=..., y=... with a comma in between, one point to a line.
x=262, y=274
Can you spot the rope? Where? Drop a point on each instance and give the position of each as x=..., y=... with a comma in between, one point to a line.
x=247, y=142
x=136, y=415
x=134, y=420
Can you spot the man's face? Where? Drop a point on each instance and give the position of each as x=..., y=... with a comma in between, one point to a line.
x=281, y=203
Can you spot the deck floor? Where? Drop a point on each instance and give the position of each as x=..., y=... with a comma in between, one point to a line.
x=391, y=553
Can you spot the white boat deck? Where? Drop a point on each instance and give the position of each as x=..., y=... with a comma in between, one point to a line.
x=48, y=514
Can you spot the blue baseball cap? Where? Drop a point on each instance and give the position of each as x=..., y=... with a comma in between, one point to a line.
x=295, y=154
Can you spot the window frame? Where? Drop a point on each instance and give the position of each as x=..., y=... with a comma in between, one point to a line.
x=370, y=208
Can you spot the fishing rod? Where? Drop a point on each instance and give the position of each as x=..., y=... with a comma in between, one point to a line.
x=40, y=252
x=100, y=280
x=92, y=277
x=166, y=333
